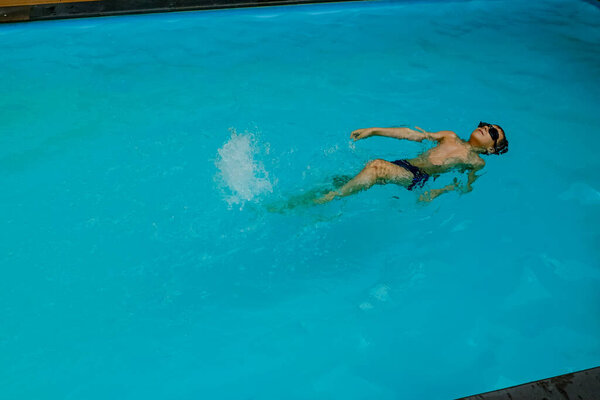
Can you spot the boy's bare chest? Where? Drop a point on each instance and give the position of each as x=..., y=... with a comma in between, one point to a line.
x=448, y=154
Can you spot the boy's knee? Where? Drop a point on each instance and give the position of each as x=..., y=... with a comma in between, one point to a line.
x=377, y=163
x=377, y=168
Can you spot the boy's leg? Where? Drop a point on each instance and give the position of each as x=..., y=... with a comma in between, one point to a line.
x=376, y=171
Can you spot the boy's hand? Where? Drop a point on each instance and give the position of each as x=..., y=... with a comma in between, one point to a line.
x=361, y=133
x=425, y=197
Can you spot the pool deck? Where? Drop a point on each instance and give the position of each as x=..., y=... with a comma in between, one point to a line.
x=36, y=10
x=581, y=385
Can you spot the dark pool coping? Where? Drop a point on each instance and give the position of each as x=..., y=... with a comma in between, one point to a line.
x=101, y=8
x=581, y=385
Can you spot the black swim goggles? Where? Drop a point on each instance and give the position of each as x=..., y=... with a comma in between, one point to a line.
x=494, y=134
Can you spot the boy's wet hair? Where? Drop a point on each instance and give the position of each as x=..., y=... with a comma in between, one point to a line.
x=501, y=146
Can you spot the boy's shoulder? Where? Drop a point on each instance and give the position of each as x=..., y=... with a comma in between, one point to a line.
x=443, y=136
x=476, y=161
x=449, y=134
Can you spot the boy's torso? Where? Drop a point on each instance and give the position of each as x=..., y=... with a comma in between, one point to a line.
x=449, y=154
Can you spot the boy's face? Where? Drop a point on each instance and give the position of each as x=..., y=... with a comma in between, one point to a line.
x=482, y=137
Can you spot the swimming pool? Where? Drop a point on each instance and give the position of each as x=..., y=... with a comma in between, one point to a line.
x=140, y=156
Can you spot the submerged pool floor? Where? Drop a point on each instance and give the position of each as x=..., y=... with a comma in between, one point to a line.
x=142, y=158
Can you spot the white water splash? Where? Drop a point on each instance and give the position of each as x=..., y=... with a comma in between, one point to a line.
x=243, y=176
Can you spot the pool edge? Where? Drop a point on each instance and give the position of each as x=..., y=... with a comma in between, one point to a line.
x=584, y=384
x=106, y=8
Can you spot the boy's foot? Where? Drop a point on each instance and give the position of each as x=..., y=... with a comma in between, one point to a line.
x=328, y=197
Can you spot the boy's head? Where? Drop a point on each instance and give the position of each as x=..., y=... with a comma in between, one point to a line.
x=491, y=137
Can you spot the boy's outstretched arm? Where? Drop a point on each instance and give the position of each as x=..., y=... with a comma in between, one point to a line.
x=470, y=179
x=433, y=193
x=401, y=133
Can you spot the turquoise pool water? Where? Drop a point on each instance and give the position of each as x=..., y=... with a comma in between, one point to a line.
x=139, y=157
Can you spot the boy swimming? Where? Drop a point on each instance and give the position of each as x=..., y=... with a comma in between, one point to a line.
x=450, y=153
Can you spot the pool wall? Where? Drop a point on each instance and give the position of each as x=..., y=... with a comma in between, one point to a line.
x=36, y=10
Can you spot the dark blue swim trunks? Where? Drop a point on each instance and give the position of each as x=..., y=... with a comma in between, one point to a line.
x=419, y=177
